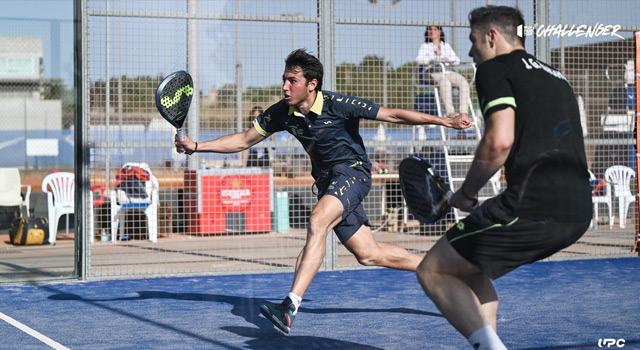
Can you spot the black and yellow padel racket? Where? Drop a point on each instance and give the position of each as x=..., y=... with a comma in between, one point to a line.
x=427, y=194
x=173, y=98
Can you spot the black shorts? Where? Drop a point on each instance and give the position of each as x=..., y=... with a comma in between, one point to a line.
x=350, y=185
x=498, y=243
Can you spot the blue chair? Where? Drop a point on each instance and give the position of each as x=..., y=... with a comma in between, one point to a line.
x=425, y=98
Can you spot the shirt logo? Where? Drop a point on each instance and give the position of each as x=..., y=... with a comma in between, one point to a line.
x=327, y=122
x=539, y=65
x=297, y=131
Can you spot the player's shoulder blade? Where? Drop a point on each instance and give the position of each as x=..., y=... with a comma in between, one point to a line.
x=335, y=100
x=331, y=97
x=497, y=67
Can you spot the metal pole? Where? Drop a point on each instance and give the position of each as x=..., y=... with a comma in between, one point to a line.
x=192, y=67
x=238, y=96
x=384, y=66
x=542, y=45
x=238, y=78
x=107, y=126
x=454, y=10
x=81, y=165
x=326, y=53
x=326, y=49
x=561, y=39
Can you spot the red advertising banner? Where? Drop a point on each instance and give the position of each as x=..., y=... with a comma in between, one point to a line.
x=227, y=201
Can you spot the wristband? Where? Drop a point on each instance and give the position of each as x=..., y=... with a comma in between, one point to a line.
x=194, y=150
x=471, y=198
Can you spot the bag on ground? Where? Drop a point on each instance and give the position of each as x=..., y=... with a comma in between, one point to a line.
x=29, y=231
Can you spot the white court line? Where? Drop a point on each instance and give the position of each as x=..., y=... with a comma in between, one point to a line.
x=41, y=337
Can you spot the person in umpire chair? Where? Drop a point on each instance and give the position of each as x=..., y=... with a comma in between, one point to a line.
x=533, y=130
x=326, y=124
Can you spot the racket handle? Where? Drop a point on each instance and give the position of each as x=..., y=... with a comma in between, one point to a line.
x=180, y=134
x=449, y=195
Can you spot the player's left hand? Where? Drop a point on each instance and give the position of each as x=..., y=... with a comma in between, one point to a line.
x=460, y=121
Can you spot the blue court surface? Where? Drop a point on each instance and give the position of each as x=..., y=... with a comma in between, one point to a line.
x=547, y=305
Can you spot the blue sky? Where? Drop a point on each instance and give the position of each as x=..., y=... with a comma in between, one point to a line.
x=53, y=21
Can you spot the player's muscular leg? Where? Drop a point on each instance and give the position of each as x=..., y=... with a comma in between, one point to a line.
x=486, y=293
x=326, y=214
x=447, y=279
x=371, y=253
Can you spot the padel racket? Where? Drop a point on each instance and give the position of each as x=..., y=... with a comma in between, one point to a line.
x=426, y=193
x=173, y=98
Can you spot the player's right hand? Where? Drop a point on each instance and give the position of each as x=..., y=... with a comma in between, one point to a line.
x=184, y=146
x=461, y=201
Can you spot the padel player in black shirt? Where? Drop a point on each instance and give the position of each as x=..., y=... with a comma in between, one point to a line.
x=532, y=128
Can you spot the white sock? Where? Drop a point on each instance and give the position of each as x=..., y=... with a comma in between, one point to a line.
x=486, y=338
x=296, y=301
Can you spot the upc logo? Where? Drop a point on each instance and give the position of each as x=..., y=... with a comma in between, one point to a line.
x=607, y=343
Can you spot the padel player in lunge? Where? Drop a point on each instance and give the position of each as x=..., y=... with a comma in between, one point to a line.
x=326, y=124
x=533, y=129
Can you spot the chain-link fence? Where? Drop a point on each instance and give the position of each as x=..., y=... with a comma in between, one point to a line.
x=157, y=212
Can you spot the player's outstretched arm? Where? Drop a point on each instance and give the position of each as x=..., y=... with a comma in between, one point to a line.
x=226, y=144
x=403, y=116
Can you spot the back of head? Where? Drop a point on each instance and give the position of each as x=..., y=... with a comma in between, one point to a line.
x=503, y=18
x=310, y=65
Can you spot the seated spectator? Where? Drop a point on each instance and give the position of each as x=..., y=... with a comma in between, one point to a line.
x=435, y=50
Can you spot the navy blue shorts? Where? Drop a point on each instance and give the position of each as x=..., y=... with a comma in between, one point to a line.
x=497, y=242
x=350, y=186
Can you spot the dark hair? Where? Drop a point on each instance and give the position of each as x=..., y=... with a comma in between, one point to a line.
x=310, y=65
x=426, y=34
x=505, y=19
x=258, y=109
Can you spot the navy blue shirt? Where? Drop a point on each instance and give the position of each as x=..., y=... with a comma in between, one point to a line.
x=329, y=132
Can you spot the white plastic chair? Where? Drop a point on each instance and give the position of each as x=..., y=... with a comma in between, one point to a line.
x=496, y=186
x=620, y=177
x=11, y=190
x=604, y=199
x=121, y=203
x=59, y=188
